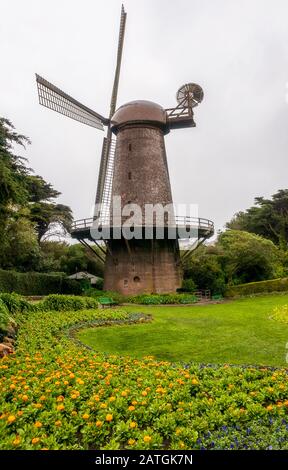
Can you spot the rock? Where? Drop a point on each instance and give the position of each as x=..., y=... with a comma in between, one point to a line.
x=8, y=341
x=5, y=349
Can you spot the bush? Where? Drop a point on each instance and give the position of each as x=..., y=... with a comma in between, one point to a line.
x=273, y=285
x=188, y=285
x=160, y=299
x=37, y=283
x=66, y=302
x=15, y=303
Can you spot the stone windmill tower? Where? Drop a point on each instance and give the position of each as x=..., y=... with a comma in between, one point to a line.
x=134, y=173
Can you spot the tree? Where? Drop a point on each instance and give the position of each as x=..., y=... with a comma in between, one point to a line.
x=246, y=257
x=27, y=207
x=20, y=248
x=205, y=269
x=268, y=218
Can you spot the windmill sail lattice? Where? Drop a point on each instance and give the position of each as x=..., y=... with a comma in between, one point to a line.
x=53, y=98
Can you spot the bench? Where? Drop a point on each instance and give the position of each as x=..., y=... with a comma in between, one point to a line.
x=106, y=302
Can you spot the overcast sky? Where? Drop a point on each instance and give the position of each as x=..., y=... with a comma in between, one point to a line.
x=237, y=50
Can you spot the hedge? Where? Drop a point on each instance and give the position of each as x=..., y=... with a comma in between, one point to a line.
x=273, y=285
x=37, y=283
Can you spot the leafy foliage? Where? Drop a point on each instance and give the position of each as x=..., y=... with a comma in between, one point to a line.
x=273, y=285
x=268, y=218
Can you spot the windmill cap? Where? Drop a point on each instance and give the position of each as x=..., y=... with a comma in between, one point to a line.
x=137, y=112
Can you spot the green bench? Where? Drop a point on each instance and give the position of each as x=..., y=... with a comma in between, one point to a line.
x=106, y=302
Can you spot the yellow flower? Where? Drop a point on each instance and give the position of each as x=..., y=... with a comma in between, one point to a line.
x=131, y=442
x=147, y=439
x=38, y=405
x=103, y=405
x=16, y=441
x=134, y=402
x=109, y=417
x=133, y=425
x=74, y=413
x=123, y=394
x=194, y=381
x=112, y=399
x=131, y=408
x=99, y=424
x=85, y=416
x=80, y=381
x=60, y=398
x=35, y=440
x=58, y=423
x=38, y=424
x=60, y=407
x=11, y=419
x=269, y=408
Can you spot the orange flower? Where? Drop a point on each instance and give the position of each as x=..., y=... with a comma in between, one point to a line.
x=85, y=416
x=11, y=419
x=131, y=408
x=144, y=393
x=42, y=398
x=12, y=387
x=58, y=423
x=25, y=397
x=131, y=442
x=123, y=394
x=16, y=441
x=147, y=439
x=109, y=417
x=35, y=440
x=20, y=413
x=99, y=424
x=71, y=376
x=80, y=381
x=60, y=398
x=38, y=424
x=60, y=407
x=269, y=408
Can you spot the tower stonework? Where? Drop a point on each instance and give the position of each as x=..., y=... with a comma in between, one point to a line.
x=141, y=177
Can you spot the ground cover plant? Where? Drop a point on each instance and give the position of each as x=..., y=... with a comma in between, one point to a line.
x=58, y=395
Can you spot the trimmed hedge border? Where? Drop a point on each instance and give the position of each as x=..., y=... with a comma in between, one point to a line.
x=260, y=287
x=38, y=283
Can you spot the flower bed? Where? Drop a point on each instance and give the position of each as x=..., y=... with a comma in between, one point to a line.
x=55, y=395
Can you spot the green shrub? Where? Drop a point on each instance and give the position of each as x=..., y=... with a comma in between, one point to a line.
x=37, y=283
x=66, y=302
x=188, y=285
x=5, y=320
x=273, y=285
x=15, y=303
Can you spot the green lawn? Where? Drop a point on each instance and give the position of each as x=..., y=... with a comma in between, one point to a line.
x=236, y=332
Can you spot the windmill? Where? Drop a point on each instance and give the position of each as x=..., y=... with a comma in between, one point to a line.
x=133, y=166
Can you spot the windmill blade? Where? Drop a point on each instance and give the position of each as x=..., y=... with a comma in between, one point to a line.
x=53, y=98
x=108, y=151
x=119, y=60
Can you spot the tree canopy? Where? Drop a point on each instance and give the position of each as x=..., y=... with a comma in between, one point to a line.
x=268, y=218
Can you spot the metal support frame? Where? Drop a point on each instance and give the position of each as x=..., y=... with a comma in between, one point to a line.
x=84, y=243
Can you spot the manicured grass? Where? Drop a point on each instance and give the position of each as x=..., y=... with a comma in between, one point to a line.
x=236, y=332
